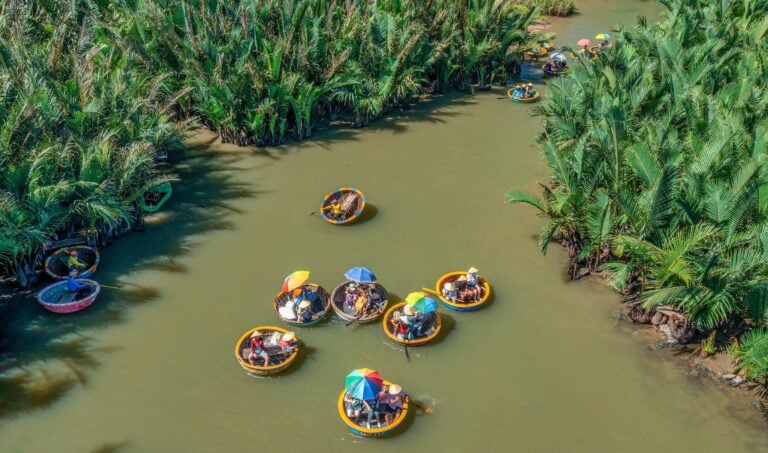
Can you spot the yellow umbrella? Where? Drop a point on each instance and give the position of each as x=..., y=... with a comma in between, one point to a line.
x=295, y=280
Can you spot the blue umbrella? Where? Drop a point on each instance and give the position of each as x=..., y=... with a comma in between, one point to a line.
x=360, y=275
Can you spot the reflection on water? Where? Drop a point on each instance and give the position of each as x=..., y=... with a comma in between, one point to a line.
x=151, y=367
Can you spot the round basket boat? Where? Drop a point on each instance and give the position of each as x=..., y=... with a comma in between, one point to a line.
x=282, y=361
x=56, y=264
x=550, y=73
x=378, y=431
x=432, y=325
x=535, y=54
x=321, y=303
x=352, y=203
x=460, y=306
x=58, y=299
x=153, y=200
x=536, y=96
x=379, y=297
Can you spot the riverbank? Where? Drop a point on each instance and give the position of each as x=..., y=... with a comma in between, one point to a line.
x=157, y=373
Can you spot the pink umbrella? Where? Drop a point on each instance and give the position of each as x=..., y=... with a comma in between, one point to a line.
x=584, y=42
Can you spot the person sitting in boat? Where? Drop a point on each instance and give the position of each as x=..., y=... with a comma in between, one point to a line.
x=350, y=295
x=361, y=304
x=450, y=292
x=335, y=208
x=73, y=285
x=549, y=67
x=354, y=406
x=73, y=263
x=399, y=327
x=288, y=343
x=288, y=311
x=604, y=44
x=414, y=321
x=529, y=90
x=392, y=401
x=304, y=312
x=258, y=349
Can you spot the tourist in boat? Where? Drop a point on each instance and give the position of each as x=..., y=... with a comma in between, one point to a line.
x=350, y=295
x=473, y=283
x=335, y=208
x=393, y=400
x=73, y=285
x=415, y=322
x=355, y=406
x=304, y=312
x=399, y=326
x=450, y=292
x=288, y=343
x=73, y=263
x=362, y=303
x=258, y=349
x=604, y=44
x=528, y=91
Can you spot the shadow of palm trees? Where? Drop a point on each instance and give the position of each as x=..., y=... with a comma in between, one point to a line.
x=43, y=355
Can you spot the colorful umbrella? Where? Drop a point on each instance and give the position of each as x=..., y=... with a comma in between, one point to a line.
x=603, y=36
x=584, y=42
x=421, y=302
x=559, y=57
x=360, y=275
x=363, y=383
x=295, y=280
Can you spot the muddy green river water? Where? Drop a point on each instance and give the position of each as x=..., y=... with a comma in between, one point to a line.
x=544, y=368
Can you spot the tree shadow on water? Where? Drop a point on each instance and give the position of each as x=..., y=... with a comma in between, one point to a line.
x=43, y=355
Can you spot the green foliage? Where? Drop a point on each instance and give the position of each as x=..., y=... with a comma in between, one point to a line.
x=552, y=7
x=260, y=72
x=657, y=154
x=79, y=126
x=753, y=355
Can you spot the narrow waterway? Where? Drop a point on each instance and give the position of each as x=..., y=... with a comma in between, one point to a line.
x=544, y=368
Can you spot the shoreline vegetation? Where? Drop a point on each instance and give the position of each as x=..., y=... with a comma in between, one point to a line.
x=657, y=153
x=95, y=94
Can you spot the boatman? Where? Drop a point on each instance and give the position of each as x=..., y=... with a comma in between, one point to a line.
x=73, y=285
x=73, y=263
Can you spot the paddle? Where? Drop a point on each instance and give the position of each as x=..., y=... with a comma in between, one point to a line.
x=357, y=318
x=430, y=291
x=103, y=286
x=407, y=355
x=425, y=409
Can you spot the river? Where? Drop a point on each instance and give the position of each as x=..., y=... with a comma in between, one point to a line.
x=544, y=368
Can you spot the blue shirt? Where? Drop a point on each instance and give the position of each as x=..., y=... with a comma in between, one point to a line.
x=73, y=285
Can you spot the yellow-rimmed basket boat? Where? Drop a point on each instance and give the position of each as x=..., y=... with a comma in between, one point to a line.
x=535, y=98
x=379, y=431
x=535, y=54
x=351, y=201
x=56, y=265
x=432, y=327
x=283, y=362
x=378, y=297
x=320, y=305
x=459, y=306
x=551, y=73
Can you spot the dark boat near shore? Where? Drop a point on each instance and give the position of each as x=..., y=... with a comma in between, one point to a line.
x=56, y=265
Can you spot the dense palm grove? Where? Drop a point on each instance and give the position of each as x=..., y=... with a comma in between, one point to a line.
x=80, y=124
x=260, y=72
x=658, y=159
x=94, y=91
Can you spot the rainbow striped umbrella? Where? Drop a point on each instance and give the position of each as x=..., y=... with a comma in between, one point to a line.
x=295, y=280
x=363, y=383
x=421, y=302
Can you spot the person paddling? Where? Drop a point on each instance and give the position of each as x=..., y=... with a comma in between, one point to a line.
x=73, y=263
x=73, y=285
